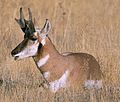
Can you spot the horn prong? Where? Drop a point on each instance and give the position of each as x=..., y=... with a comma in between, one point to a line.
x=16, y=19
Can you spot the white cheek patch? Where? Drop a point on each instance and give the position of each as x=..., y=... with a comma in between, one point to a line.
x=29, y=51
x=43, y=61
x=60, y=83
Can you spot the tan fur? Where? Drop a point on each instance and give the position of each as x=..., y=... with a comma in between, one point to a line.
x=67, y=69
x=81, y=66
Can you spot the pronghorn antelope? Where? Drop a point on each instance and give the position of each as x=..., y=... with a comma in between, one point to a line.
x=59, y=70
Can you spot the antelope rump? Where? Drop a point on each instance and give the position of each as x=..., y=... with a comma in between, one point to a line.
x=58, y=70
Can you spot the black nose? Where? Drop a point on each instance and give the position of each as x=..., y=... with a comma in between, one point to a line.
x=13, y=52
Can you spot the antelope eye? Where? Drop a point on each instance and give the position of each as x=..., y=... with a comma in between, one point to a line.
x=33, y=39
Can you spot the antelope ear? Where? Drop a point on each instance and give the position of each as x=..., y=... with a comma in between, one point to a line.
x=46, y=28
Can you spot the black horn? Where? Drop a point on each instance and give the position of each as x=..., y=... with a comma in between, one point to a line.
x=30, y=14
x=21, y=21
x=27, y=26
x=21, y=15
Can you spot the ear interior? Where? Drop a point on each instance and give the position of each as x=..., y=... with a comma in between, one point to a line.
x=47, y=27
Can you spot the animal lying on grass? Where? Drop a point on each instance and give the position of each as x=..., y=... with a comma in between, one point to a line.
x=59, y=70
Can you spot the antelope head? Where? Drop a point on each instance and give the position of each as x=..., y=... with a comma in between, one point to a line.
x=33, y=40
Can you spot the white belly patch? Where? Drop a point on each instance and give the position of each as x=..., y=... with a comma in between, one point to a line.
x=60, y=83
x=97, y=84
x=46, y=74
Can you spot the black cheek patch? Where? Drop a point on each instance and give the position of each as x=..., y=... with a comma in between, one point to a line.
x=40, y=46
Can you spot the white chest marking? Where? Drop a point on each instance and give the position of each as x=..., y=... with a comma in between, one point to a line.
x=43, y=61
x=46, y=74
x=62, y=82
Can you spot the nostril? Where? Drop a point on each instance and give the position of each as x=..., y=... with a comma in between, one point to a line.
x=13, y=53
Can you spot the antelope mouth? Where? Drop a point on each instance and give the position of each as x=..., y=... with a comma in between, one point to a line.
x=16, y=57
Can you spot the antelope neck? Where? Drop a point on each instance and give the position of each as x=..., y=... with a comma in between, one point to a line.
x=47, y=53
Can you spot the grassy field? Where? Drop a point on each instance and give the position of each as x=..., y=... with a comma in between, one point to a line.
x=90, y=26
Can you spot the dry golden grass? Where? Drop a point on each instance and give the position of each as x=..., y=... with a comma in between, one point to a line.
x=91, y=26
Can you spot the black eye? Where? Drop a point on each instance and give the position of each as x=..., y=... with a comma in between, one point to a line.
x=33, y=39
